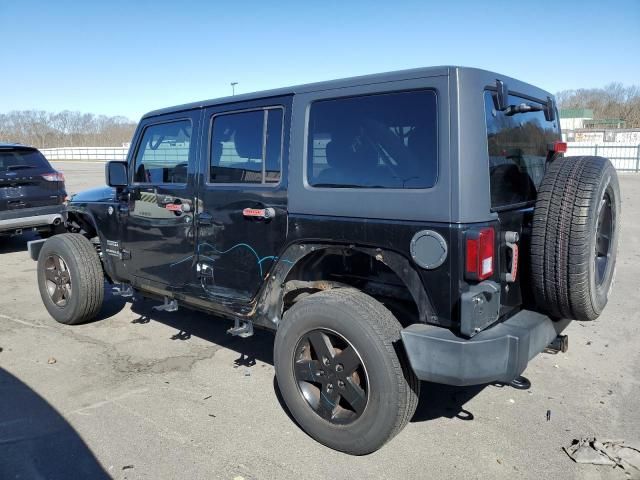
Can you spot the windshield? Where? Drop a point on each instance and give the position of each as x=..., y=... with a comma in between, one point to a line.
x=518, y=148
x=21, y=159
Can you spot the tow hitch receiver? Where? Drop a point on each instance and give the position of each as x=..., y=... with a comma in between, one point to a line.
x=559, y=344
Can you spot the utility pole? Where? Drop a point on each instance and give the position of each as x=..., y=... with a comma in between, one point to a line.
x=233, y=88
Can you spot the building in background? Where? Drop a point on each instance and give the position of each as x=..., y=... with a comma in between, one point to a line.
x=575, y=118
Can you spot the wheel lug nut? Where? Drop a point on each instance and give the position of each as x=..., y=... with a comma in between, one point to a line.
x=329, y=386
x=340, y=383
x=339, y=367
x=325, y=360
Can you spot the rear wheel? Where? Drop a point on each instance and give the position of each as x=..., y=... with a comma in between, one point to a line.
x=70, y=278
x=575, y=237
x=342, y=372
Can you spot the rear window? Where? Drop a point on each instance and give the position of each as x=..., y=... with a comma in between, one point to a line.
x=518, y=148
x=374, y=141
x=19, y=159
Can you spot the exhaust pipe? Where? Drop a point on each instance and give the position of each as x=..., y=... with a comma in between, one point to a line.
x=57, y=221
x=559, y=344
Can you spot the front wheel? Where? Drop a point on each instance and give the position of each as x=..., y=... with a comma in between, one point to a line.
x=70, y=278
x=342, y=371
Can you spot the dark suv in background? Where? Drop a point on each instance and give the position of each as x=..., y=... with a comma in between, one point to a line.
x=32, y=192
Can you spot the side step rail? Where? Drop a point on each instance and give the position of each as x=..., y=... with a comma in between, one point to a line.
x=241, y=328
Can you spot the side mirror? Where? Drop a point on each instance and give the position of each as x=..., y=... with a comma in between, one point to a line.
x=501, y=97
x=116, y=174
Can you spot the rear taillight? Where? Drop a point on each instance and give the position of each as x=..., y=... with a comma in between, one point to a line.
x=560, y=147
x=480, y=253
x=53, y=177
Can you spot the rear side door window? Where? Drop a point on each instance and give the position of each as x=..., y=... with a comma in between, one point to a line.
x=246, y=147
x=374, y=141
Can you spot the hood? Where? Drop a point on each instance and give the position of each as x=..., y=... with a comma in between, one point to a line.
x=98, y=194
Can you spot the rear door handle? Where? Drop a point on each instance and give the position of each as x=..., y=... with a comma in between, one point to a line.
x=259, y=213
x=165, y=199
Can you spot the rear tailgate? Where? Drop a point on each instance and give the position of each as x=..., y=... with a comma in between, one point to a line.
x=27, y=180
x=519, y=148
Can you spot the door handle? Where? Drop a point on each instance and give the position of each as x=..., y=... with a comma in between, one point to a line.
x=165, y=200
x=259, y=213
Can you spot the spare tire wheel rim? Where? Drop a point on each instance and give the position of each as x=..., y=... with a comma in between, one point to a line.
x=57, y=280
x=331, y=376
x=604, y=239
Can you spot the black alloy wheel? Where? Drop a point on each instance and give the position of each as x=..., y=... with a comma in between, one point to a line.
x=331, y=376
x=58, y=280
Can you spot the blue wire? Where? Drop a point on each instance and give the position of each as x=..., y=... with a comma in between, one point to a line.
x=220, y=252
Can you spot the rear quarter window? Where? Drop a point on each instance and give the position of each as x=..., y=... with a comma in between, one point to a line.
x=518, y=147
x=375, y=141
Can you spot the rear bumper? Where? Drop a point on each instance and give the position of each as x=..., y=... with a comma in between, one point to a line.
x=500, y=353
x=30, y=218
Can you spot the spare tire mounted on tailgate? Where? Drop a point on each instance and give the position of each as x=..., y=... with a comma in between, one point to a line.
x=575, y=237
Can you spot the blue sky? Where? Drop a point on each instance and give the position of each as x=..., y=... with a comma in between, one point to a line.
x=120, y=57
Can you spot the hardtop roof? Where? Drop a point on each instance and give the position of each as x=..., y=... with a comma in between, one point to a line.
x=331, y=84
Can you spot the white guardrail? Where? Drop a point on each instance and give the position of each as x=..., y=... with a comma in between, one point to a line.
x=625, y=157
x=98, y=154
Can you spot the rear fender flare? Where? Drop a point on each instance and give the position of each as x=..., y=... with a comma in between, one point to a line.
x=270, y=304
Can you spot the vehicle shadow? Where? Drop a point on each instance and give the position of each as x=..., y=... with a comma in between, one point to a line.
x=435, y=400
x=36, y=441
x=16, y=243
x=210, y=328
x=111, y=304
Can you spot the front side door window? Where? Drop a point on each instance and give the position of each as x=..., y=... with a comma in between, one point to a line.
x=163, y=154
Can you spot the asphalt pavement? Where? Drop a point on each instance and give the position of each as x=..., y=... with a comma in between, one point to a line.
x=155, y=395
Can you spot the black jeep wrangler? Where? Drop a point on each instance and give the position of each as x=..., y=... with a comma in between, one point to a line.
x=392, y=228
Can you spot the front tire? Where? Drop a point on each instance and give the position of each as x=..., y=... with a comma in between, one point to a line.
x=342, y=372
x=70, y=279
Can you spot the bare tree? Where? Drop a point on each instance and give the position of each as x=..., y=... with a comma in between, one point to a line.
x=64, y=129
x=614, y=101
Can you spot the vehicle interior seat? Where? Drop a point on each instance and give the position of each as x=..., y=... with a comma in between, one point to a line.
x=348, y=165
